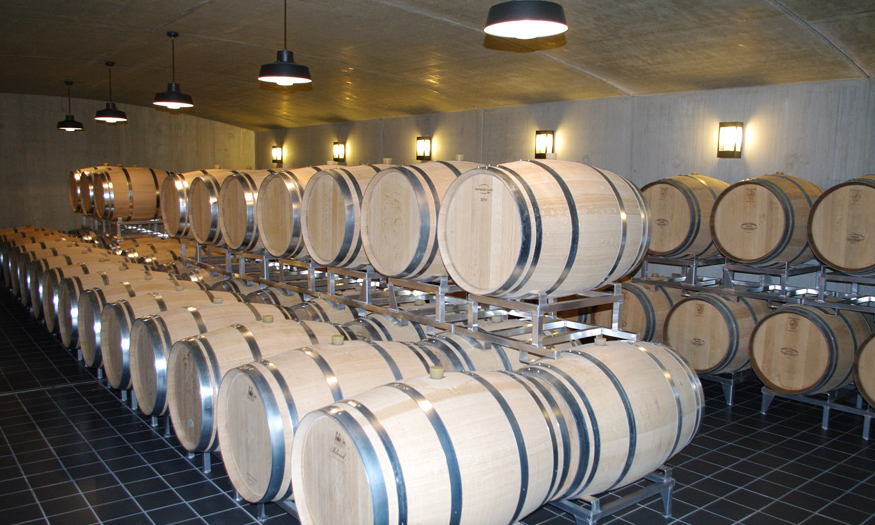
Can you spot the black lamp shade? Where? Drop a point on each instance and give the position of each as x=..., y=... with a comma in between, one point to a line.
x=70, y=124
x=284, y=72
x=111, y=114
x=173, y=98
x=526, y=19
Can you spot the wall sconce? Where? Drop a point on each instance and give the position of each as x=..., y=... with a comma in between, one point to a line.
x=729, y=139
x=339, y=151
x=423, y=148
x=543, y=143
x=276, y=153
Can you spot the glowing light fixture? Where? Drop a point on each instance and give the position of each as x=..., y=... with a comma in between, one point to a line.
x=285, y=72
x=110, y=114
x=339, y=151
x=729, y=138
x=543, y=143
x=525, y=19
x=173, y=98
x=276, y=153
x=69, y=123
x=423, y=148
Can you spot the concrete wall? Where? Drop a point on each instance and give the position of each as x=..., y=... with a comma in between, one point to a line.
x=37, y=157
x=824, y=132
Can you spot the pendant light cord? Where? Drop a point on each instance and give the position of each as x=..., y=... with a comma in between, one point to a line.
x=69, y=98
x=173, y=58
x=109, y=64
x=285, y=23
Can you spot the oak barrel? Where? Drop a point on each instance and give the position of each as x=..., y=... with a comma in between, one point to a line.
x=174, y=200
x=541, y=227
x=237, y=285
x=331, y=215
x=712, y=332
x=28, y=270
x=238, y=217
x=383, y=327
x=260, y=403
x=680, y=209
x=203, y=207
x=129, y=194
x=279, y=211
x=841, y=226
x=763, y=220
x=277, y=296
x=399, y=218
x=74, y=189
x=864, y=370
x=325, y=311
x=196, y=365
x=806, y=349
x=642, y=313
x=153, y=336
x=37, y=281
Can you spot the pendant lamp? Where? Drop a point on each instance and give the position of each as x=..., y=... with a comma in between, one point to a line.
x=525, y=19
x=285, y=72
x=69, y=123
x=110, y=114
x=173, y=98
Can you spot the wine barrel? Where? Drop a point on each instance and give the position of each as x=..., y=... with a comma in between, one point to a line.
x=91, y=303
x=643, y=310
x=174, y=200
x=331, y=215
x=712, y=332
x=680, y=209
x=864, y=370
x=399, y=218
x=12, y=248
x=421, y=441
x=196, y=365
x=260, y=403
x=464, y=353
x=153, y=336
x=541, y=228
x=325, y=311
x=238, y=196
x=806, y=349
x=37, y=281
x=841, y=226
x=28, y=271
x=277, y=296
x=382, y=327
x=236, y=285
x=74, y=189
x=763, y=220
x=116, y=319
x=86, y=189
x=17, y=258
x=203, y=208
x=129, y=194
x=279, y=211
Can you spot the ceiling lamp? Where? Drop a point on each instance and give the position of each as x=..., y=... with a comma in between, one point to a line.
x=285, y=72
x=110, y=114
x=69, y=123
x=526, y=19
x=173, y=98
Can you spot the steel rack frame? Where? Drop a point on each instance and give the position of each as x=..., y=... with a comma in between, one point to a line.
x=835, y=400
x=690, y=269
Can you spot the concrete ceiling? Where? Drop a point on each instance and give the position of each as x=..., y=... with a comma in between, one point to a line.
x=387, y=58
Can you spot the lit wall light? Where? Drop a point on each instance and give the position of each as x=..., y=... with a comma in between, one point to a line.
x=339, y=151
x=423, y=148
x=276, y=153
x=729, y=139
x=543, y=143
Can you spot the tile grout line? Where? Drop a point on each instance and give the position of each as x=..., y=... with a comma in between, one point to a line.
x=18, y=465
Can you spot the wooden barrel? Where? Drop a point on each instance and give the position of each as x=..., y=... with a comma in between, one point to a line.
x=17, y=258
x=116, y=318
x=807, y=350
x=236, y=285
x=153, y=336
x=464, y=353
x=399, y=218
x=129, y=194
x=14, y=247
x=864, y=370
x=764, y=220
x=37, y=283
x=91, y=303
x=382, y=327
x=69, y=290
x=278, y=211
x=203, y=208
x=841, y=226
x=712, y=332
x=421, y=441
x=260, y=403
x=86, y=189
x=238, y=219
x=196, y=365
x=174, y=200
x=29, y=270
x=26, y=259
x=331, y=215
x=680, y=210
x=51, y=285
x=277, y=296
x=541, y=227
x=74, y=189
x=325, y=311
x=643, y=310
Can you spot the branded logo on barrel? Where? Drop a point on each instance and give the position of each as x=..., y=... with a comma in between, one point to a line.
x=697, y=342
x=750, y=194
x=855, y=238
x=749, y=226
x=662, y=223
x=484, y=190
x=793, y=324
x=339, y=449
x=789, y=352
x=856, y=196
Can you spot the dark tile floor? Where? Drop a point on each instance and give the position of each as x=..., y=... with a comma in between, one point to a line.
x=71, y=452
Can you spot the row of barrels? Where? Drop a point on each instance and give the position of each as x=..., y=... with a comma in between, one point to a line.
x=765, y=220
x=116, y=192
x=793, y=349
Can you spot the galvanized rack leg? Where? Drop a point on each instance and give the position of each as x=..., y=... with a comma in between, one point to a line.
x=832, y=402
x=728, y=381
